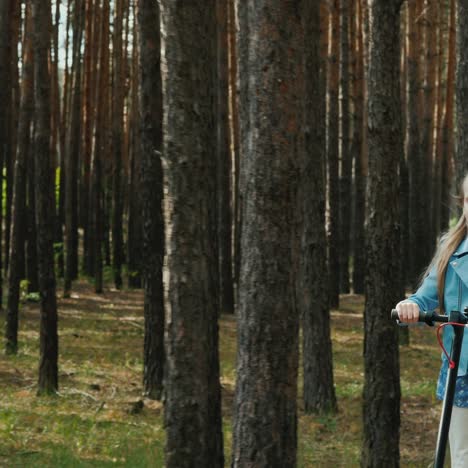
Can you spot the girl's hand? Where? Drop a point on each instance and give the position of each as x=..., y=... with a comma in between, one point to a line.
x=408, y=312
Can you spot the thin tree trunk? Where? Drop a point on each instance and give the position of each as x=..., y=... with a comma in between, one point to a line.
x=90, y=59
x=417, y=221
x=448, y=128
x=73, y=154
x=440, y=102
x=44, y=188
x=151, y=179
x=57, y=158
x=359, y=266
x=18, y=235
x=234, y=136
x=345, y=153
x=12, y=112
x=117, y=144
x=5, y=103
x=224, y=163
x=319, y=392
x=332, y=156
x=100, y=141
x=461, y=94
x=135, y=218
x=32, y=268
x=381, y=387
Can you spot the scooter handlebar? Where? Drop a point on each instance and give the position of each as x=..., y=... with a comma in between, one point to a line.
x=427, y=317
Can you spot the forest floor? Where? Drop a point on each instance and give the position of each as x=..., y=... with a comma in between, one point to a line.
x=96, y=420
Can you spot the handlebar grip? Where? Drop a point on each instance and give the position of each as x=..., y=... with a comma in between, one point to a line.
x=426, y=317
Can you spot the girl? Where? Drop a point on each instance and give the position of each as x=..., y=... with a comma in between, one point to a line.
x=445, y=286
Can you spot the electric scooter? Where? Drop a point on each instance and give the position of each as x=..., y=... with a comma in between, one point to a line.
x=458, y=321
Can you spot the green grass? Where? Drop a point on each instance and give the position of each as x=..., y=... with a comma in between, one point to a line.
x=101, y=340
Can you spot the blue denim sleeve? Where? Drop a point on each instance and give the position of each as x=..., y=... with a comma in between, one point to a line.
x=426, y=296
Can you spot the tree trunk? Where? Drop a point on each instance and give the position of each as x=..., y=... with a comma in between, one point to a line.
x=90, y=59
x=345, y=153
x=193, y=399
x=135, y=219
x=440, y=103
x=224, y=163
x=73, y=153
x=271, y=115
x=319, y=392
x=416, y=163
x=358, y=155
x=100, y=142
x=151, y=182
x=5, y=103
x=332, y=156
x=381, y=387
x=448, y=128
x=18, y=235
x=12, y=91
x=461, y=94
x=234, y=138
x=32, y=268
x=44, y=187
x=117, y=145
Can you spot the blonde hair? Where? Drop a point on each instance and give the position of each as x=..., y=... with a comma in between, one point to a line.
x=449, y=242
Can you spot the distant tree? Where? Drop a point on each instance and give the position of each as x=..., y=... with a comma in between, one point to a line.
x=73, y=144
x=234, y=137
x=192, y=386
x=319, y=392
x=58, y=162
x=99, y=150
x=429, y=45
x=224, y=163
x=448, y=129
x=18, y=234
x=45, y=198
x=333, y=153
x=383, y=287
x=91, y=37
x=345, y=181
x=358, y=154
x=151, y=196
x=32, y=269
x=117, y=142
x=271, y=116
x=418, y=241
x=461, y=97
x=5, y=101
x=135, y=256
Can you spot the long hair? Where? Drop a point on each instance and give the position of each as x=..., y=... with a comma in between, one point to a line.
x=449, y=242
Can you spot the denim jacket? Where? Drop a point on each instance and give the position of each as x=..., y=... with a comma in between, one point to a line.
x=456, y=290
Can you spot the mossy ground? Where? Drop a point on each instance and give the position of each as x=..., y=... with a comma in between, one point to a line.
x=90, y=423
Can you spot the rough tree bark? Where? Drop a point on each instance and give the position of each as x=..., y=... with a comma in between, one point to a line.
x=193, y=399
x=271, y=116
x=117, y=145
x=151, y=179
x=332, y=155
x=45, y=198
x=18, y=234
x=383, y=288
x=359, y=266
x=345, y=153
x=73, y=146
x=224, y=163
x=461, y=93
x=319, y=392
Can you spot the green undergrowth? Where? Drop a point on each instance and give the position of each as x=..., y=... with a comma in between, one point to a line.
x=91, y=422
